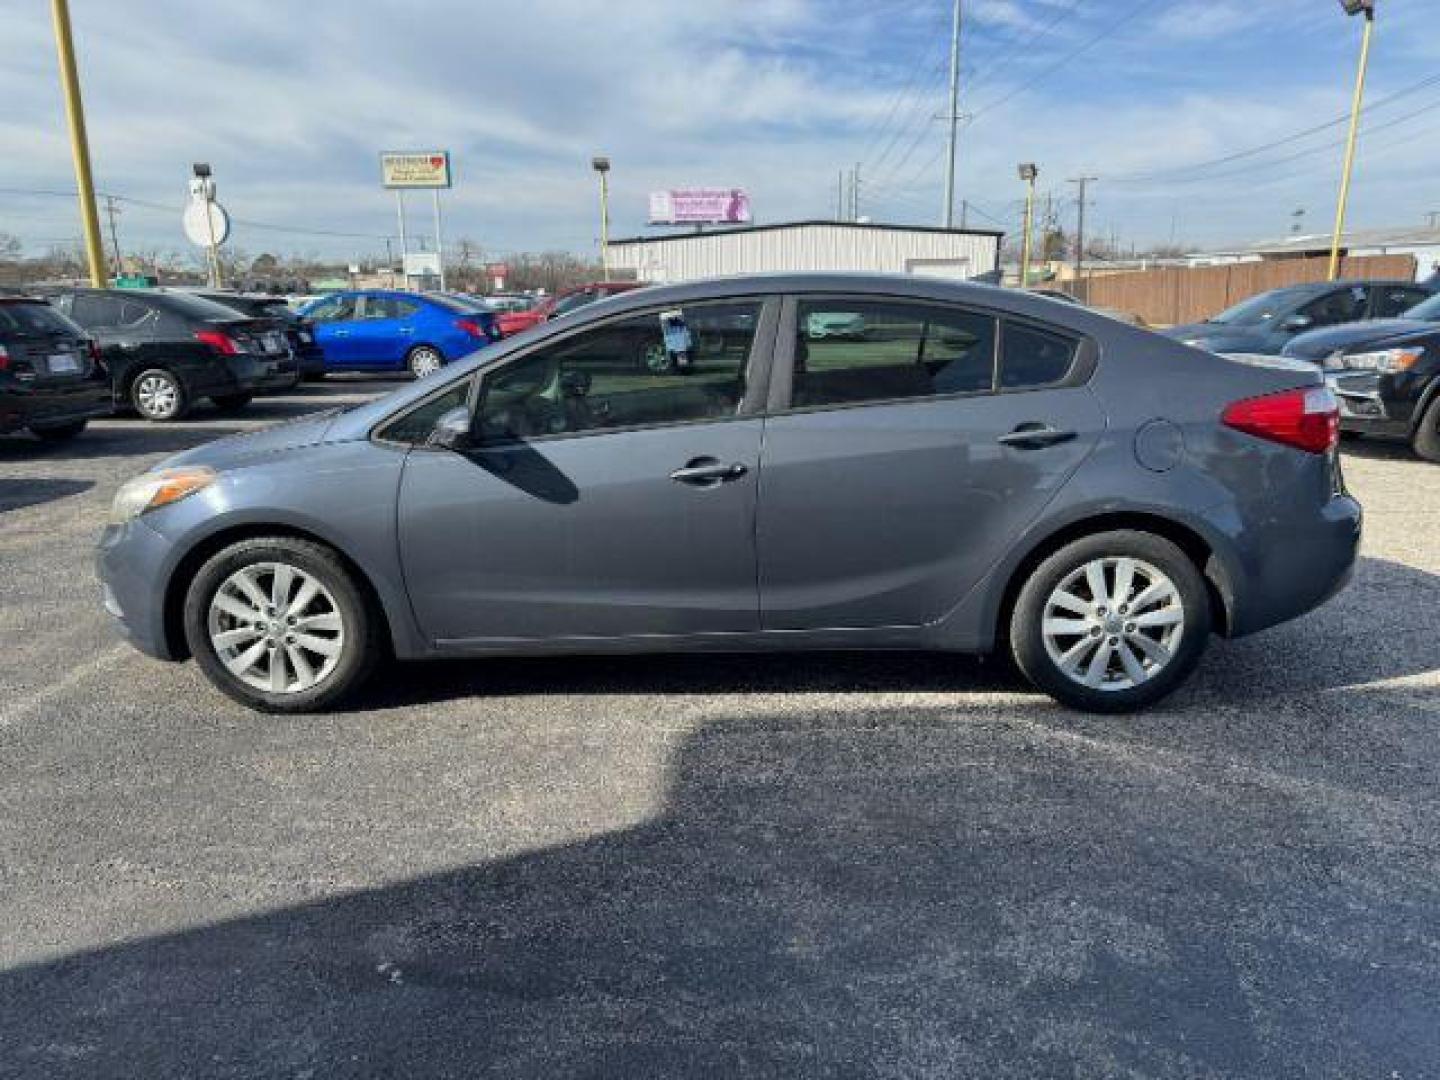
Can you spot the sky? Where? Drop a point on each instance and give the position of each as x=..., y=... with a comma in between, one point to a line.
x=291, y=103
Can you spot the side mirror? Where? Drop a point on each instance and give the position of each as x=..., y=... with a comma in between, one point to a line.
x=452, y=430
x=1296, y=322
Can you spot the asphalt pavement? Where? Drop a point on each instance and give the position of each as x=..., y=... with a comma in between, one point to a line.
x=830, y=866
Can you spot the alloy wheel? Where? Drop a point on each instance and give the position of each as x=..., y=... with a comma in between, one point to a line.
x=157, y=396
x=276, y=627
x=1113, y=623
x=424, y=362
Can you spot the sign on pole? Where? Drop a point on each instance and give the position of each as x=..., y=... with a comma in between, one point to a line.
x=699, y=206
x=415, y=169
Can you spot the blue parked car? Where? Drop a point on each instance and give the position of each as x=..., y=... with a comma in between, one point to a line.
x=381, y=330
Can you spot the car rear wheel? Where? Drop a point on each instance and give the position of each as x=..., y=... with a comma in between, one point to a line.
x=159, y=395
x=281, y=625
x=230, y=403
x=1112, y=622
x=59, y=432
x=1427, y=435
x=424, y=360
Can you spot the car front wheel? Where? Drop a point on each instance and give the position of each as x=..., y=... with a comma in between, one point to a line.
x=1112, y=622
x=1427, y=435
x=281, y=625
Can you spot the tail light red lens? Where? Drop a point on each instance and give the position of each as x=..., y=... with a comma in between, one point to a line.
x=93, y=348
x=224, y=344
x=471, y=327
x=1308, y=420
x=4, y=359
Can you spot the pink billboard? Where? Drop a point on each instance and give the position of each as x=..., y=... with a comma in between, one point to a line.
x=699, y=206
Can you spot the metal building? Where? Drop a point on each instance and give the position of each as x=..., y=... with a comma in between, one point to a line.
x=808, y=246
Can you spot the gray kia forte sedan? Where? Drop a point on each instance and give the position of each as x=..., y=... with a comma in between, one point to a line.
x=697, y=468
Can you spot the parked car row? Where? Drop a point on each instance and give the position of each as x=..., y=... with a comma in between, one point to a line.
x=1377, y=341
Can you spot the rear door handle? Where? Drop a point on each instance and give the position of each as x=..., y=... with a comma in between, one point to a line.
x=707, y=472
x=341, y=333
x=1034, y=436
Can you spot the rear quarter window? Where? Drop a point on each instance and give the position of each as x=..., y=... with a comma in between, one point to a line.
x=1031, y=357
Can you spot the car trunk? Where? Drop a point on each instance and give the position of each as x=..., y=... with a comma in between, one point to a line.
x=44, y=359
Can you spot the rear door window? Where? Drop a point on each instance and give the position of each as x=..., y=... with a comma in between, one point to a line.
x=1391, y=301
x=1340, y=306
x=852, y=351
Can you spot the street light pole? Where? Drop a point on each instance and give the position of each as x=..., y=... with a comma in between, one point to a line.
x=1028, y=173
x=79, y=144
x=1352, y=7
x=602, y=166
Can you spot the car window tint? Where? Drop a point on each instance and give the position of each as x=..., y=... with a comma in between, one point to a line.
x=1031, y=357
x=1340, y=306
x=333, y=309
x=377, y=307
x=30, y=318
x=97, y=310
x=403, y=309
x=415, y=426
x=682, y=364
x=855, y=351
x=573, y=301
x=1393, y=300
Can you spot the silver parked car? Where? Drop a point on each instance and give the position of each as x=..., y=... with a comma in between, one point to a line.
x=985, y=469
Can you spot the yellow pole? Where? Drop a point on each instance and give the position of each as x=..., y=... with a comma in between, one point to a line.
x=79, y=146
x=1029, y=230
x=604, y=225
x=1350, y=144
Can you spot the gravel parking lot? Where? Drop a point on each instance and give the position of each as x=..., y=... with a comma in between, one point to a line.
x=764, y=866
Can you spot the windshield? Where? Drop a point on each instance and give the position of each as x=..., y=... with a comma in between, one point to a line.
x=1426, y=310
x=1258, y=309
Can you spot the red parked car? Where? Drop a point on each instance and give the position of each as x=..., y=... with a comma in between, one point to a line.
x=512, y=322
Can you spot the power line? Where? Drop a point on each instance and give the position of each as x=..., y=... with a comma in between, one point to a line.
x=1014, y=45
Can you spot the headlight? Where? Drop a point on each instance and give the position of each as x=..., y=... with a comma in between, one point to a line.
x=154, y=490
x=1385, y=360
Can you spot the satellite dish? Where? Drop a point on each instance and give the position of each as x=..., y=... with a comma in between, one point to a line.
x=198, y=232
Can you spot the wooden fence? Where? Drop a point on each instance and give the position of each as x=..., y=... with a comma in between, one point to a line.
x=1169, y=295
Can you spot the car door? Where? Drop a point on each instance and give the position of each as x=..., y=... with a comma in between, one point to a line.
x=903, y=458
x=375, y=338
x=334, y=319
x=123, y=328
x=610, y=493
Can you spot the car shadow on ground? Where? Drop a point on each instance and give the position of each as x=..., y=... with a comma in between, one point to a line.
x=1348, y=642
x=19, y=494
x=1379, y=449
x=931, y=891
x=113, y=440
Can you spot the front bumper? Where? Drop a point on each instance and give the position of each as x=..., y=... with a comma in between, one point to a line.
x=132, y=563
x=23, y=407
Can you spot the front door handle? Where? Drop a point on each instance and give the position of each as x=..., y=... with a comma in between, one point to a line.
x=707, y=472
x=1034, y=436
x=341, y=333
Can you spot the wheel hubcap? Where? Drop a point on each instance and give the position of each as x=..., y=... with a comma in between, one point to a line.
x=156, y=395
x=1113, y=623
x=426, y=363
x=276, y=628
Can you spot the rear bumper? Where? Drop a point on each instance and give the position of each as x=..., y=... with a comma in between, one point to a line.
x=252, y=373
x=132, y=565
x=1299, y=572
x=23, y=407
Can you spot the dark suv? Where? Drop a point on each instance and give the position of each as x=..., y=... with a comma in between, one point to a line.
x=299, y=331
x=167, y=350
x=51, y=381
x=1385, y=373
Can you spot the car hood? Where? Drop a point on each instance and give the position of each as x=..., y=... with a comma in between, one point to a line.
x=1217, y=337
x=238, y=450
x=1318, y=344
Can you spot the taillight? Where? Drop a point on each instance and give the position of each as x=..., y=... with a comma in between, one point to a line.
x=471, y=327
x=1308, y=420
x=4, y=359
x=93, y=348
x=224, y=344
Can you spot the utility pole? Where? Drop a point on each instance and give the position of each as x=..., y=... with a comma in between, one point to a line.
x=79, y=144
x=855, y=192
x=601, y=165
x=840, y=196
x=952, y=117
x=1082, y=181
x=111, y=210
x=964, y=214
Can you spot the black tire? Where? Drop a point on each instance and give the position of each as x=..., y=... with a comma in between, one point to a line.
x=1027, y=638
x=59, y=432
x=171, y=401
x=362, y=628
x=421, y=357
x=1427, y=435
x=231, y=403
